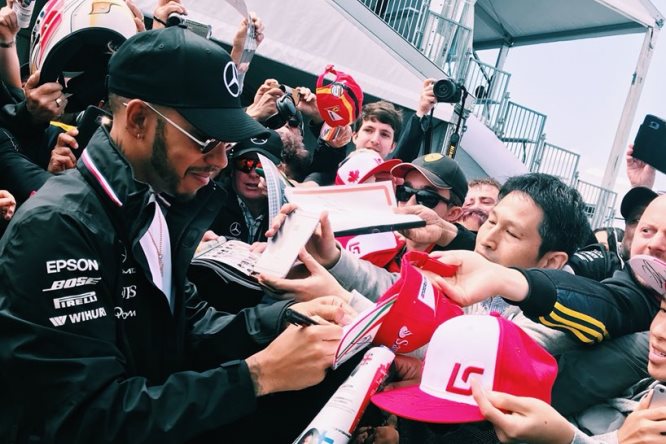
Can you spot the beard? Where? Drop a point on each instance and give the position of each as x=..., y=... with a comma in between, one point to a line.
x=164, y=173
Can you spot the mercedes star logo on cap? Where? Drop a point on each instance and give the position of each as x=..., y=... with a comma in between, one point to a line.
x=231, y=79
x=259, y=140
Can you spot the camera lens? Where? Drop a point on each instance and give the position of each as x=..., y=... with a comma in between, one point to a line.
x=175, y=19
x=447, y=91
x=287, y=89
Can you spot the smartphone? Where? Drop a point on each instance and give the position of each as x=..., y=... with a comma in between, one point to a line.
x=658, y=396
x=650, y=142
x=87, y=124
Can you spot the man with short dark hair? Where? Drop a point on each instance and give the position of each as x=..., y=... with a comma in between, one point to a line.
x=539, y=221
x=105, y=339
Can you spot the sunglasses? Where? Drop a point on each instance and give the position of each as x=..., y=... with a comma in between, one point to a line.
x=427, y=198
x=246, y=164
x=205, y=146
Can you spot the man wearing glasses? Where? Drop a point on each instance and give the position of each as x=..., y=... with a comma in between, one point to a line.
x=104, y=338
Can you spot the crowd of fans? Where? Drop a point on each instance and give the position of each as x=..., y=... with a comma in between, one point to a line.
x=109, y=338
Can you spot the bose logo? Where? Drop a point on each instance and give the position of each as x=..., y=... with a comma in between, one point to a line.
x=73, y=301
x=58, y=265
x=73, y=282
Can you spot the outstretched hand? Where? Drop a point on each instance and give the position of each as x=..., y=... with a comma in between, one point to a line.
x=318, y=282
x=44, y=102
x=639, y=173
x=522, y=419
x=238, y=44
x=7, y=204
x=62, y=157
x=321, y=245
x=644, y=425
x=478, y=279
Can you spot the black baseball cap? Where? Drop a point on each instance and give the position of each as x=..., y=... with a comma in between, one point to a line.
x=270, y=146
x=635, y=198
x=176, y=68
x=441, y=172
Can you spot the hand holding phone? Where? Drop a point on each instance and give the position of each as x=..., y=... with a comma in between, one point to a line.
x=658, y=396
x=650, y=142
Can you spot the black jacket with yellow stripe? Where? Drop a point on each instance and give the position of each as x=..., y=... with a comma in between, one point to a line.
x=91, y=351
x=589, y=310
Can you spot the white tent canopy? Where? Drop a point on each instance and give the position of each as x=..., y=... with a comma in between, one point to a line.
x=504, y=22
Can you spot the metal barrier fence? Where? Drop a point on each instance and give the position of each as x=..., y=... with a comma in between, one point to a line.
x=521, y=130
x=489, y=85
x=404, y=16
x=559, y=162
x=592, y=194
x=439, y=38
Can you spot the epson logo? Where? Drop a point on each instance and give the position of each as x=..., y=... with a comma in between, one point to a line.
x=56, y=266
x=73, y=301
x=72, y=282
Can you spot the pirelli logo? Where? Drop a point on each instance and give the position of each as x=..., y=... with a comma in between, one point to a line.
x=73, y=301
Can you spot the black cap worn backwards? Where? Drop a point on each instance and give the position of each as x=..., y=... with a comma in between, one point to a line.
x=441, y=172
x=176, y=68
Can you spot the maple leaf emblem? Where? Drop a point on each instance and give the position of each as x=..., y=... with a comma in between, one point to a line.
x=354, y=176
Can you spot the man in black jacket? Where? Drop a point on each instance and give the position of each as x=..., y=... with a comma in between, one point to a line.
x=105, y=340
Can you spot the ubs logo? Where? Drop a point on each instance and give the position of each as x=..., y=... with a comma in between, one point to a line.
x=129, y=292
x=231, y=79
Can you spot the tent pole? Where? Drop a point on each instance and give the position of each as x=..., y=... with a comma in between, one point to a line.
x=624, y=126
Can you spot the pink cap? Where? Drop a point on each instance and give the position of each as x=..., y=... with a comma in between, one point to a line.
x=489, y=347
x=419, y=307
x=361, y=165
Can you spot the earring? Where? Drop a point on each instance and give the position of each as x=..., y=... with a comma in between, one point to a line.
x=139, y=136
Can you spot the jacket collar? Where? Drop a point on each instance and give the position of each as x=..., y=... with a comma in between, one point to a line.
x=109, y=170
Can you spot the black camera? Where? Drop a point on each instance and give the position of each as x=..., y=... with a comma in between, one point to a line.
x=201, y=29
x=447, y=91
x=286, y=109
